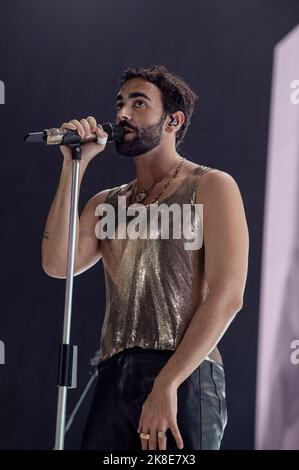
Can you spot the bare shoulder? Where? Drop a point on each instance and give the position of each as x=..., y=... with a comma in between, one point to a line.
x=101, y=196
x=217, y=184
x=94, y=201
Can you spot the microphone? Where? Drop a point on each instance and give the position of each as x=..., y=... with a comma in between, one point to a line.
x=61, y=136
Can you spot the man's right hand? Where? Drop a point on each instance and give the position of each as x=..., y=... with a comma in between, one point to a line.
x=84, y=127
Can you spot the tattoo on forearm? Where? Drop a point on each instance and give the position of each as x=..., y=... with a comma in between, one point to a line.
x=46, y=235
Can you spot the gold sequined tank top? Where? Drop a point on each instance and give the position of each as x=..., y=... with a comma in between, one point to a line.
x=153, y=286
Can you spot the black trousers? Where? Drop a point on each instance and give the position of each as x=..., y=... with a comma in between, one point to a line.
x=123, y=384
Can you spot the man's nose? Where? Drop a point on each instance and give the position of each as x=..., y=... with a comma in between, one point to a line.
x=124, y=114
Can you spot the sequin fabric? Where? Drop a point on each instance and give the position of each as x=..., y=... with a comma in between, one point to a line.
x=153, y=286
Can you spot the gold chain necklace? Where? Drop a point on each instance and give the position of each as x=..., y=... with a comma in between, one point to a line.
x=142, y=193
x=142, y=196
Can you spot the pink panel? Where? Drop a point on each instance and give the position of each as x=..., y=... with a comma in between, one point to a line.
x=277, y=405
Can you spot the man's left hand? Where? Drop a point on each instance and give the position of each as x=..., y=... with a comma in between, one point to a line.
x=159, y=413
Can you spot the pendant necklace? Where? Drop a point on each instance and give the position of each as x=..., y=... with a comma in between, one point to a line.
x=142, y=194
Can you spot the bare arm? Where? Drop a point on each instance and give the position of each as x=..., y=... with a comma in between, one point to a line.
x=55, y=239
x=226, y=258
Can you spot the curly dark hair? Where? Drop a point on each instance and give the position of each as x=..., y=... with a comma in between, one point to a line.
x=177, y=94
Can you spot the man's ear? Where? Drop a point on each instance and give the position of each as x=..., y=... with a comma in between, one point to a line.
x=175, y=121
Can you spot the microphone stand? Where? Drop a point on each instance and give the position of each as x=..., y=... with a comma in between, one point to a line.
x=67, y=375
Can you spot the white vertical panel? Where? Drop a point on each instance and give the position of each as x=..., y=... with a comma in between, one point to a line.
x=277, y=405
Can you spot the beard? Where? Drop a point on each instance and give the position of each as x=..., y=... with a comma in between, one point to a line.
x=146, y=139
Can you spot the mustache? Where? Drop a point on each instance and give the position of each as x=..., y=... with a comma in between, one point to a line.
x=129, y=126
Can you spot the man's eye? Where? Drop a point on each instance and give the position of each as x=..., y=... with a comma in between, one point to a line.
x=139, y=104
x=118, y=106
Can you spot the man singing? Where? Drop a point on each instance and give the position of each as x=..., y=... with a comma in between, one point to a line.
x=161, y=381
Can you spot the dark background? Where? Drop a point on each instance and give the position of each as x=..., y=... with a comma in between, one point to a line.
x=61, y=60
